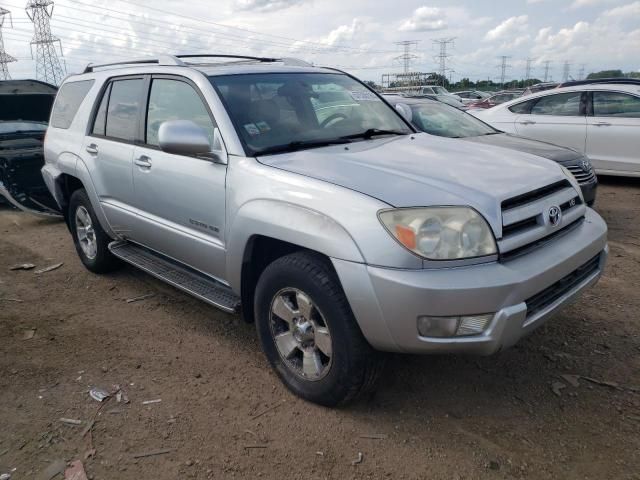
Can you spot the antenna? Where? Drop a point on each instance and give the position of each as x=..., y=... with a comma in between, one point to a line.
x=5, y=58
x=48, y=65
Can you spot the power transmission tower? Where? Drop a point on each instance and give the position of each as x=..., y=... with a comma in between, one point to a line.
x=546, y=69
x=48, y=65
x=503, y=68
x=4, y=56
x=442, y=56
x=527, y=74
x=407, y=56
x=566, y=69
x=581, y=73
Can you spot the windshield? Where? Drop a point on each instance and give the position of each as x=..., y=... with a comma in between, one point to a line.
x=18, y=126
x=444, y=121
x=441, y=91
x=277, y=111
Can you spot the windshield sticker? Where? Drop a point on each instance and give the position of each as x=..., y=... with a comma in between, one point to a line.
x=364, y=96
x=263, y=126
x=252, y=129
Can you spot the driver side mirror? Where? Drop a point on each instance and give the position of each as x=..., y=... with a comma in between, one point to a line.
x=405, y=111
x=184, y=137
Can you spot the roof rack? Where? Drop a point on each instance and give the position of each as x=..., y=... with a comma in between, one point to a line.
x=176, y=61
x=623, y=81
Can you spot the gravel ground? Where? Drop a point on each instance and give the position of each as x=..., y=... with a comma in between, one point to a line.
x=224, y=414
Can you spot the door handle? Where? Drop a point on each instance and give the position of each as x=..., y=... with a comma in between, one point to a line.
x=143, y=161
x=602, y=124
x=528, y=122
x=92, y=149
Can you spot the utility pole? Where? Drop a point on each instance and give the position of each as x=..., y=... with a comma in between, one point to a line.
x=48, y=65
x=5, y=58
x=442, y=56
x=566, y=68
x=503, y=68
x=407, y=56
x=546, y=69
x=527, y=74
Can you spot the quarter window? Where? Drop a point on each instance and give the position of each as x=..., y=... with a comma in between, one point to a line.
x=561, y=104
x=175, y=100
x=68, y=102
x=123, y=108
x=522, y=107
x=613, y=104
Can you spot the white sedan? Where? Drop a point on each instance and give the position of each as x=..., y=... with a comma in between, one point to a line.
x=601, y=120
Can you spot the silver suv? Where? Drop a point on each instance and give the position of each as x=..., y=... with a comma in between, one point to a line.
x=299, y=197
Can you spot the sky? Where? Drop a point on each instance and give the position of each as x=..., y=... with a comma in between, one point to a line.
x=359, y=36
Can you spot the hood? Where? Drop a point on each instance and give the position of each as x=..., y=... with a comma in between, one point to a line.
x=422, y=170
x=28, y=100
x=534, y=147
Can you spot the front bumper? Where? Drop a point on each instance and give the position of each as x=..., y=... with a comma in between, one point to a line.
x=387, y=302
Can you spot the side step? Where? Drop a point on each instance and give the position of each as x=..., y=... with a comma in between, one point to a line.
x=180, y=276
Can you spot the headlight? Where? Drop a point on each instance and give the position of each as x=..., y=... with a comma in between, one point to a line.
x=440, y=233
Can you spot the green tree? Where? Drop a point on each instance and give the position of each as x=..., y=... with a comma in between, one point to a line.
x=605, y=74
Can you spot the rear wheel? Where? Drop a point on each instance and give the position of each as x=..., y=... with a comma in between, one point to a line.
x=309, y=334
x=90, y=240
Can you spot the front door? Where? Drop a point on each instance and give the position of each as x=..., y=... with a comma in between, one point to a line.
x=613, y=132
x=180, y=199
x=557, y=118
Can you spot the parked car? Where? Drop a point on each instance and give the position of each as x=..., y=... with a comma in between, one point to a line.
x=25, y=106
x=494, y=100
x=340, y=234
x=446, y=99
x=539, y=87
x=438, y=91
x=435, y=118
x=601, y=120
x=469, y=96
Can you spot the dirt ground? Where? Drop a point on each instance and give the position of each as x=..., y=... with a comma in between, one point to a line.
x=224, y=414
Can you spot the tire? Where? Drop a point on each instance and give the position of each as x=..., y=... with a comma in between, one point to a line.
x=287, y=285
x=82, y=216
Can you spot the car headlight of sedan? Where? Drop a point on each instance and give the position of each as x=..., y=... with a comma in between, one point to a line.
x=440, y=233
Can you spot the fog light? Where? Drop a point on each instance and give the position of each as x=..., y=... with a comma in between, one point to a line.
x=453, y=326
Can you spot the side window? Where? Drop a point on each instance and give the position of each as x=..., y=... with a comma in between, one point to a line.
x=100, y=122
x=522, y=107
x=612, y=104
x=68, y=102
x=175, y=100
x=123, y=108
x=562, y=104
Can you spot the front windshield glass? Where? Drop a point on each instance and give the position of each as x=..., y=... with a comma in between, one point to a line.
x=444, y=121
x=277, y=111
x=18, y=126
x=441, y=90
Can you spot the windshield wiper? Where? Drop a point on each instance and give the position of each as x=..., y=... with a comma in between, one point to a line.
x=373, y=132
x=301, y=145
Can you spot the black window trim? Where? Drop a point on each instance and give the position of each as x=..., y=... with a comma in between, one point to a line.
x=143, y=118
x=96, y=106
x=590, y=110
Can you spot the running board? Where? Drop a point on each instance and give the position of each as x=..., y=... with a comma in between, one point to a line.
x=180, y=276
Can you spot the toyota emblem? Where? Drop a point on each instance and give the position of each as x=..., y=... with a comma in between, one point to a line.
x=554, y=215
x=585, y=165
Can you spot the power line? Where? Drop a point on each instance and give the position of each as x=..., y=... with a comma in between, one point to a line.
x=442, y=56
x=5, y=58
x=566, y=69
x=582, y=69
x=407, y=56
x=503, y=68
x=546, y=69
x=48, y=65
x=527, y=74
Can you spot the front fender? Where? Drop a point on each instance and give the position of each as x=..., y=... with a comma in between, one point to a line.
x=290, y=223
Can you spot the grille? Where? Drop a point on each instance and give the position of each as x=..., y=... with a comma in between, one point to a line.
x=525, y=218
x=581, y=176
x=563, y=286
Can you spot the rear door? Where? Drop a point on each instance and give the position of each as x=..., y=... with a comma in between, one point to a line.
x=180, y=199
x=613, y=131
x=558, y=118
x=108, y=149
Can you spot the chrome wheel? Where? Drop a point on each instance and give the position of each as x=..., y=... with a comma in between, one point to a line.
x=86, y=234
x=301, y=334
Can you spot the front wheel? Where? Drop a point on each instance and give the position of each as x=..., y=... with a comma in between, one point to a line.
x=309, y=334
x=90, y=240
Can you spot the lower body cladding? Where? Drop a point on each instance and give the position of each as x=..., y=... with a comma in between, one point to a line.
x=478, y=309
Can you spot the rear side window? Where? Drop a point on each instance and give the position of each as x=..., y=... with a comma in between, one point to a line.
x=561, y=104
x=123, y=109
x=68, y=102
x=613, y=104
x=522, y=107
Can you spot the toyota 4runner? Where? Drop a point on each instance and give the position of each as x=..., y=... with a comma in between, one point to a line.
x=299, y=197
